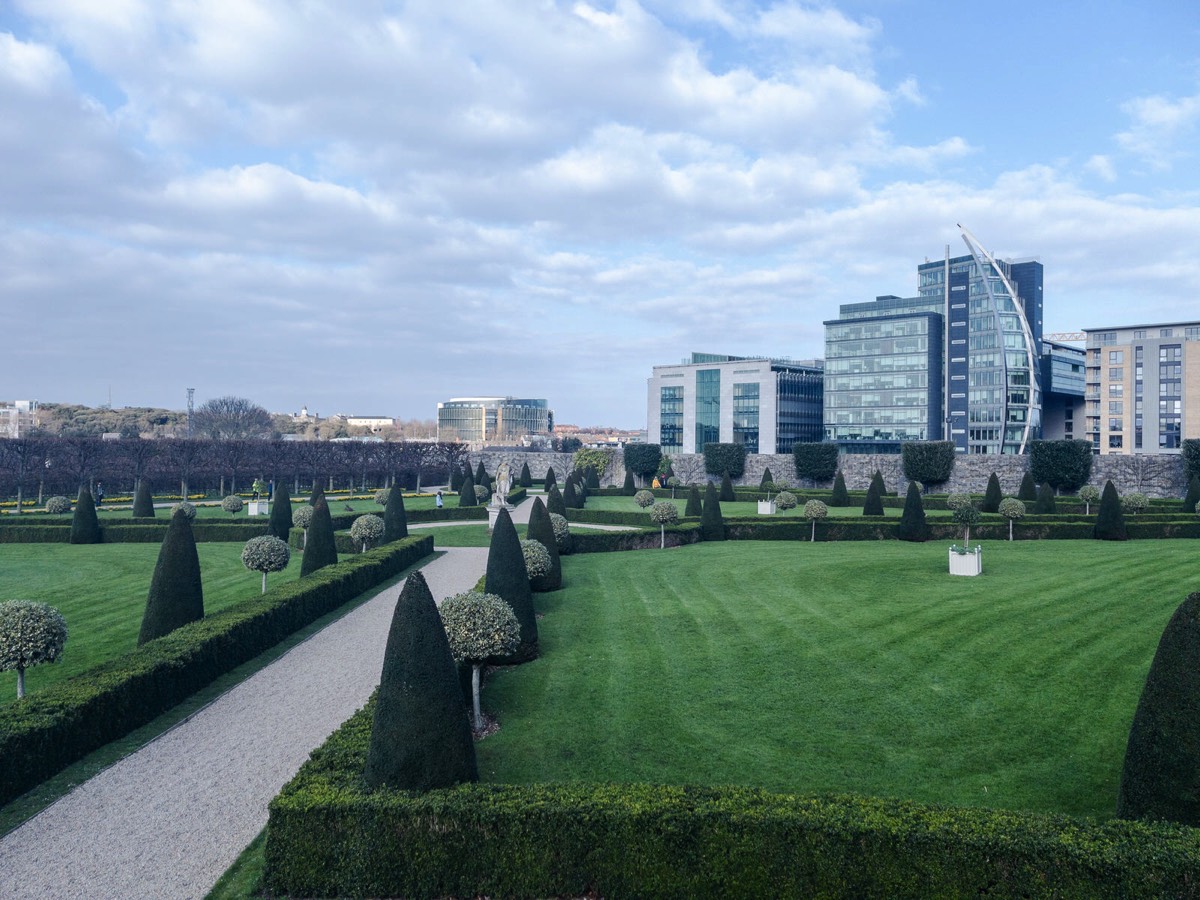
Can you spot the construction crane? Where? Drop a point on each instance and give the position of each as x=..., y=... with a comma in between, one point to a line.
x=1065, y=337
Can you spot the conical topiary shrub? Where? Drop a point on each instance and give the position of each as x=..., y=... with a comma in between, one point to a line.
x=481, y=476
x=456, y=478
x=541, y=529
x=318, y=493
x=873, y=505
x=176, y=594
x=1161, y=776
x=1045, y=504
x=280, y=523
x=551, y=479
x=555, y=502
x=694, y=508
x=992, y=496
x=506, y=577
x=877, y=479
x=570, y=497
x=767, y=480
x=712, y=523
x=320, y=550
x=143, y=500
x=1027, y=492
x=840, y=496
x=525, y=480
x=726, y=495
x=85, y=526
x=420, y=738
x=1193, y=495
x=1110, y=519
x=395, y=519
x=913, y=526
x=466, y=491
x=628, y=488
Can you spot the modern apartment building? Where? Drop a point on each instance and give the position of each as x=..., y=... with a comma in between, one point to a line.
x=766, y=404
x=493, y=420
x=1143, y=387
x=17, y=417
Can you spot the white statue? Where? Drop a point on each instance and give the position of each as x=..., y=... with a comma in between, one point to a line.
x=503, y=482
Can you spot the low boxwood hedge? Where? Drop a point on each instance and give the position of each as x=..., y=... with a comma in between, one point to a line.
x=51, y=729
x=149, y=531
x=650, y=539
x=328, y=836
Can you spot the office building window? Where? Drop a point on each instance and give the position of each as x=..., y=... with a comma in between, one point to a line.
x=671, y=418
x=708, y=407
x=745, y=416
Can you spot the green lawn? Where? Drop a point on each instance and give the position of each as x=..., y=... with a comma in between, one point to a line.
x=101, y=591
x=845, y=667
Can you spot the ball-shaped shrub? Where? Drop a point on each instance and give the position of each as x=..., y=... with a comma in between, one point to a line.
x=664, y=513
x=537, y=558
x=815, y=509
x=366, y=530
x=382, y=495
x=1012, y=508
x=1135, y=502
x=232, y=504
x=266, y=554
x=58, y=505
x=643, y=499
x=1089, y=494
x=786, y=500
x=185, y=509
x=479, y=626
x=562, y=532
x=302, y=516
x=481, y=493
x=957, y=501
x=30, y=634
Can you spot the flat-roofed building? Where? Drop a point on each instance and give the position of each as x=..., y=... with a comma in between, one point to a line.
x=493, y=420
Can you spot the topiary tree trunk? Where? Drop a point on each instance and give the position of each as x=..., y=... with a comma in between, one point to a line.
x=176, y=594
x=507, y=578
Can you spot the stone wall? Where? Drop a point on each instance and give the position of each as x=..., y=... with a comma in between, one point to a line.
x=1158, y=475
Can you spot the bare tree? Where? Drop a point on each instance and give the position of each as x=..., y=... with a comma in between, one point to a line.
x=20, y=456
x=78, y=456
x=187, y=458
x=137, y=455
x=689, y=468
x=232, y=418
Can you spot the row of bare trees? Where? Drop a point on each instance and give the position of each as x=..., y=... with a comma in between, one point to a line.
x=47, y=465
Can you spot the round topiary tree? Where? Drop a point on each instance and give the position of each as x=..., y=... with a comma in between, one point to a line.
x=537, y=558
x=673, y=483
x=992, y=495
x=814, y=510
x=481, y=494
x=966, y=516
x=85, y=525
x=382, y=495
x=185, y=509
x=280, y=521
x=786, y=500
x=1134, y=503
x=712, y=523
x=1161, y=776
x=320, y=548
x=58, y=505
x=1012, y=509
x=506, y=577
x=913, y=526
x=664, y=514
x=562, y=532
x=957, y=501
x=176, y=594
x=1089, y=494
x=266, y=554
x=1110, y=520
x=694, y=508
x=840, y=496
x=143, y=500
x=644, y=499
x=302, y=518
x=367, y=530
x=479, y=627
x=420, y=739
x=232, y=504
x=30, y=634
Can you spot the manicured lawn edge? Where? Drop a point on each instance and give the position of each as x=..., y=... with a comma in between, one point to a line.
x=47, y=731
x=328, y=836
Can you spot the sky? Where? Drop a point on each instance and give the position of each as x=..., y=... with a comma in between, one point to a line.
x=366, y=207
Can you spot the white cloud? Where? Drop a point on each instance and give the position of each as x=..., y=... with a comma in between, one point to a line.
x=1159, y=125
x=1102, y=167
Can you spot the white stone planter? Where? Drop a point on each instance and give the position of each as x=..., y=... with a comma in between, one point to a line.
x=970, y=563
x=258, y=508
x=494, y=513
x=766, y=507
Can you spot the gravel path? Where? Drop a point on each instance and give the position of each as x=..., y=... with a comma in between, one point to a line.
x=168, y=820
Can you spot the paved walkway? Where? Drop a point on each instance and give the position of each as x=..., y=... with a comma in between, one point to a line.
x=168, y=820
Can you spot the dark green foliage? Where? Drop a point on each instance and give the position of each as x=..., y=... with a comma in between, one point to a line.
x=456, y=478
x=591, y=480
x=840, y=496
x=542, y=530
x=507, y=578
x=85, y=525
x=1044, y=505
x=551, y=479
x=1064, y=465
x=525, y=480
x=280, y=523
x=929, y=462
x=992, y=496
x=1110, y=518
x=1193, y=495
x=1161, y=777
x=726, y=495
x=570, y=496
x=628, y=488
x=712, y=523
x=318, y=493
x=1027, y=492
x=815, y=461
x=60, y=725
x=395, y=521
x=668, y=472
x=642, y=459
x=481, y=475
x=877, y=480
x=176, y=594
x=873, y=505
x=143, y=500
x=767, y=479
x=913, y=526
x=1190, y=450
x=694, y=507
x=420, y=737
x=729, y=458
x=466, y=491
x=555, y=502
x=320, y=550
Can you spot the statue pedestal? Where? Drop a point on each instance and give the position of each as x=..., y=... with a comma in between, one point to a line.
x=494, y=513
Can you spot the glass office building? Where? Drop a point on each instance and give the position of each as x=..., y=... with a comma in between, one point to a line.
x=765, y=404
x=492, y=420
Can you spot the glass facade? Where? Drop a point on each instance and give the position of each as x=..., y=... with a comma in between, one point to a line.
x=799, y=407
x=492, y=419
x=745, y=416
x=671, y=418
x=708, y=407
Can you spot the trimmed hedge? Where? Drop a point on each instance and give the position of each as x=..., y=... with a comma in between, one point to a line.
x=135, y=532
x=815, y=461
x=721, y=458
x=646, y=539
x=55, y=727
x=327, y=836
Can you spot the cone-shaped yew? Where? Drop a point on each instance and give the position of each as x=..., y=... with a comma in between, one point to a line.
x=143, y=500
x=176, y=594
x=395, y=519
x=913, y=526
x=85, y=525
x=508, y=579
x=541, y=529
x=320, y=550
x=280, y=523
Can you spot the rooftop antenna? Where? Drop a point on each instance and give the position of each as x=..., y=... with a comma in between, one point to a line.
x=191, y=408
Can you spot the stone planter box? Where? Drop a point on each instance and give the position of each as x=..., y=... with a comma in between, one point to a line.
x=970, y=563
x=766, y=507
x=258, y=508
